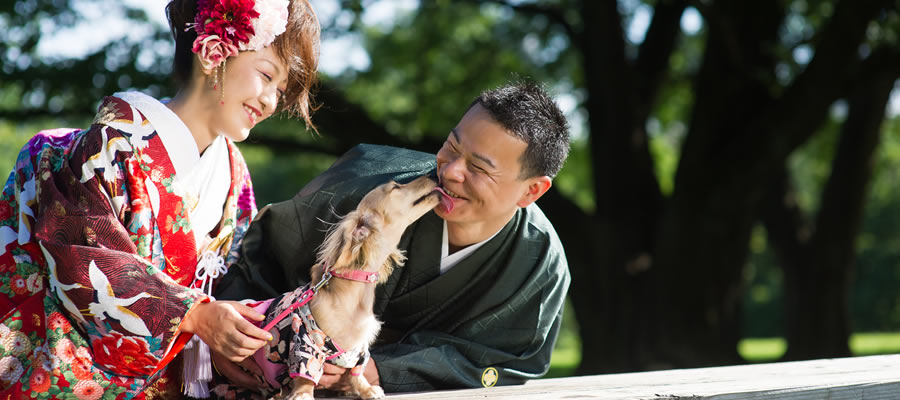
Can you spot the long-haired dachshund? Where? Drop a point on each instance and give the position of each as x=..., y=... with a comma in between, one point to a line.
x=331, y=319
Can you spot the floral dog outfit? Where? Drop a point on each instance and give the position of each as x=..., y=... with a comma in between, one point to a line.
x=298, y=347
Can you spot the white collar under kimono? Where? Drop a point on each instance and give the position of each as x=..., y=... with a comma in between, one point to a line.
x=450, y=260
x=205, y=178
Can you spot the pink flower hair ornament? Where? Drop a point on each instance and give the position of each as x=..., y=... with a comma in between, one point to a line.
x=212, y=50
x=225, y=27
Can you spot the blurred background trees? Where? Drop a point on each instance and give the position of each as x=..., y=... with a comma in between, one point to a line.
x=734, y=164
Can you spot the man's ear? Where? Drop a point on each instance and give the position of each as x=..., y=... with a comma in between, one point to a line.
x=537, y=186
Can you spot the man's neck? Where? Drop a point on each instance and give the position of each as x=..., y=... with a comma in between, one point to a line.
x=462, y=235
x=452, y=248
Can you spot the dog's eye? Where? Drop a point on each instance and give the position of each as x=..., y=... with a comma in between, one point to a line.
x=396, y=186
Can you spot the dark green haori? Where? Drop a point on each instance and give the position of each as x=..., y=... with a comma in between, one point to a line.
x=491, y=319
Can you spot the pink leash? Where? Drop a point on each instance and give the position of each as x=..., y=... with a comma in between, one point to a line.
x=305, y=298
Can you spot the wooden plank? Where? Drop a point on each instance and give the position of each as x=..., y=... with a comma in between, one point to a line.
x=872, y=377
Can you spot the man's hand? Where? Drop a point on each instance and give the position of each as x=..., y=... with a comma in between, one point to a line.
x=223, y=327
x=338, y=379
x=235, y=374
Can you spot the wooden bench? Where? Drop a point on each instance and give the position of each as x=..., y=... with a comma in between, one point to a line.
x=872, y=377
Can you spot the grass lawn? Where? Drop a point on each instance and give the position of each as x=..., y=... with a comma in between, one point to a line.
x=861, y=344
x=567, y=354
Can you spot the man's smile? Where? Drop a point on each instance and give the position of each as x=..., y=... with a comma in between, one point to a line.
x=452, y=194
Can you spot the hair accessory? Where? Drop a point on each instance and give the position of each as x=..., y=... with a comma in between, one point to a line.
x=221, y=82
x=225, y=27
x=219, y=79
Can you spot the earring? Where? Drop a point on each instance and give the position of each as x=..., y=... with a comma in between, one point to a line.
x=222, y=83
x=215, y=85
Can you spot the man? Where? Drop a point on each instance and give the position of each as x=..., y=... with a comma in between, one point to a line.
x=479, y=301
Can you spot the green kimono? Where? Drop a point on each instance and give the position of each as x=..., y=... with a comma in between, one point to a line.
x=491, y=319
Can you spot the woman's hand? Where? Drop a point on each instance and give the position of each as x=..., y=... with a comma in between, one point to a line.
x=236, y=375
x=223, y=327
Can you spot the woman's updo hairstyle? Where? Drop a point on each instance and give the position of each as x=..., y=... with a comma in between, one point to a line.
x=297, y=46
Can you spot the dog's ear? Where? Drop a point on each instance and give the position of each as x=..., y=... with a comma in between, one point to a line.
x=335, y=243
x=364, y=240
x=363, y=229
x=351, y=243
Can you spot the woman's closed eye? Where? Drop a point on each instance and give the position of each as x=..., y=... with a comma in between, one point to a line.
x=269, y=79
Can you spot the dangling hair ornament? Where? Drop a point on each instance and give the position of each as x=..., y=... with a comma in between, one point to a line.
x=222, y=83
x=225, y=27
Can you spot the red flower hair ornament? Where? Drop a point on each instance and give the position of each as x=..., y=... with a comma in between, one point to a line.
x=225, y=27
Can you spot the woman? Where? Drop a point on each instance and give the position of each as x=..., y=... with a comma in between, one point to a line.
x=111, y=237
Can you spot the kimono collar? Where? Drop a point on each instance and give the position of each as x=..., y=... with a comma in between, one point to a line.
x=174, y=134
x=202, y=178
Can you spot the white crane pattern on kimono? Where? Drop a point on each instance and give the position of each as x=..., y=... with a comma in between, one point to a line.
x=110, y=306
x=26, y=197
x=60, y=288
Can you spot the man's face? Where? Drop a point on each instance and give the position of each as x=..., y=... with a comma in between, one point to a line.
x=479, y=167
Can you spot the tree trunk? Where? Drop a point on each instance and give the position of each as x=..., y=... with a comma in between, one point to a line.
x=611, y=297
x=702, y=242
x=817, y=282
x=739, y=134
x=666, y=283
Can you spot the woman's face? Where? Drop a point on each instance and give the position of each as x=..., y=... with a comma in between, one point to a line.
x=254, y=84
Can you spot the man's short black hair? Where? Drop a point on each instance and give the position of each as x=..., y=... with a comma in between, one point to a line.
x=530, y=114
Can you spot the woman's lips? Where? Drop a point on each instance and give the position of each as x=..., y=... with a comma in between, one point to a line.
x=252, y=114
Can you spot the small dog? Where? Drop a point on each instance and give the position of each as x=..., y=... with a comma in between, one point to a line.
x=337, y=325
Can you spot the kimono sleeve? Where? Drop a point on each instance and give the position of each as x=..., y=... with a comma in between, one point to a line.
x=127, y=310
x=504, y=345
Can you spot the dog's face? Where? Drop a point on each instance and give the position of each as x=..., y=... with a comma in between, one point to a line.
x=399, y=205
x=366, y=238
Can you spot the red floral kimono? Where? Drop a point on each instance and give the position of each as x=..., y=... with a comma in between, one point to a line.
x=98, y=257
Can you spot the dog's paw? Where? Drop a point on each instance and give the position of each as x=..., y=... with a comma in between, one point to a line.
x=372, y=392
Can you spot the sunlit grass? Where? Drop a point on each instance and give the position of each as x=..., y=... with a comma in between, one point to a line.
x=861, y=344
x=864, y=344
x=762, y=349
x=567, y=354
